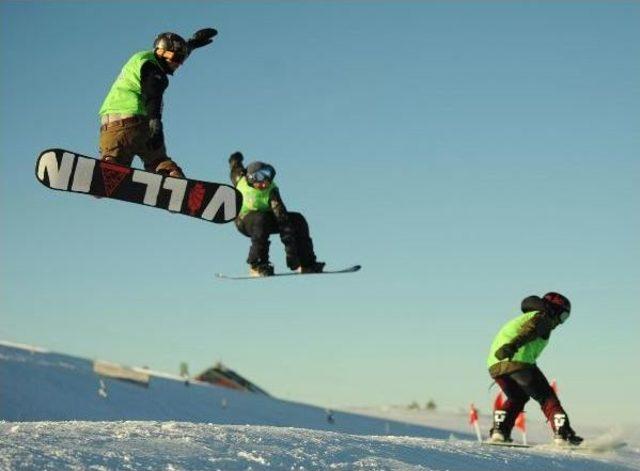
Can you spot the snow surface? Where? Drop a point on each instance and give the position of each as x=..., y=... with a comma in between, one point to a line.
x=179, y=445
x=58, y=414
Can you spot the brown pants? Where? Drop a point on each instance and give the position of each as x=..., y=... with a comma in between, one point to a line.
x=121, y=141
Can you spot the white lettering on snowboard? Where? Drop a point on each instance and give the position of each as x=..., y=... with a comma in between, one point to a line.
x=224, y=196
x=62, y=170
x=153, y=181
x=177, y=187
x=59, y=175
x=83, y=175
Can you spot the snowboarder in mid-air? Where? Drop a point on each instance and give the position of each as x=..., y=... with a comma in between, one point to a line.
x=512, y=364
x=263, y=213
x=131, y=114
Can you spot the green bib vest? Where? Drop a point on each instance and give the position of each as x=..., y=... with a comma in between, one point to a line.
x=254, y=199
x=528, y=353
x=125, y=94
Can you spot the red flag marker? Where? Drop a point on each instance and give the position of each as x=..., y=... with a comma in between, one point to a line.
x=521, y=422
x=473, y=415
x=473, y=420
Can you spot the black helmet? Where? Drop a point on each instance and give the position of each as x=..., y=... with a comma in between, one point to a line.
x=173, y=45
x=560, y=305
x=260, y=172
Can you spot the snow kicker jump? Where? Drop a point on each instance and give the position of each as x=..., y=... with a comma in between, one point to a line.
x=64, y=170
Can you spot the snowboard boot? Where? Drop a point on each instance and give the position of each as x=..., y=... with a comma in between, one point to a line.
x=315, y=267
x=499, y=433
x=261, y=269
x=564, y=434
x=498, y=436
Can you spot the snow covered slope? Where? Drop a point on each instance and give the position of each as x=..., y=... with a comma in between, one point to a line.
x=186, y=446
x=59, y=414
x=42, y=386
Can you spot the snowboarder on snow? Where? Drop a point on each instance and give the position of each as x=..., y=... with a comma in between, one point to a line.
x=512, y=364
x=131, y=114
x=263, y=213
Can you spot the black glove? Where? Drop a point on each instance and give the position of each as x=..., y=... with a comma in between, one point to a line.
x=508, y=350
x=156, y=135
x=236, y=158
x=201, y=38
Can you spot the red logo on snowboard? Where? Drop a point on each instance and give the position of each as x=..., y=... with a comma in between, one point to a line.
x=112, y=176
x=196, y=198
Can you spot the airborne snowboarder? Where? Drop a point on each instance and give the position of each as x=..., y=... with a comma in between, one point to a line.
x=512, y=364
x=131, y=114
x=263, y=213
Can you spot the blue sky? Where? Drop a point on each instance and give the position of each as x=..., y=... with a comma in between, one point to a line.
x=467, y=154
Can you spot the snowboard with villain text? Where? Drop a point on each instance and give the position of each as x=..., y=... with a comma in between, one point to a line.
x=64, y=170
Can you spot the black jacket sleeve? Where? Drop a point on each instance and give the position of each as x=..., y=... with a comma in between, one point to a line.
x=539, y=326
x=153, y=83
x=278, y=207
x=280, y=211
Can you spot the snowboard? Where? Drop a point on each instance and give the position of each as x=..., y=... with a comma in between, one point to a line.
x=351, y=269
x=594, y=445
x=507, y=444
x=63, y=170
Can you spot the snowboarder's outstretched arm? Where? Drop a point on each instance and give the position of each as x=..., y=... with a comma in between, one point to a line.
x=237, y=169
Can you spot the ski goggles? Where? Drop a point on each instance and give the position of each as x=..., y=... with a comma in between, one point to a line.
x=564, y=315
x=261, y=176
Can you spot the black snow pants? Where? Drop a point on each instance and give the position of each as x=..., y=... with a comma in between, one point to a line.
x=521, y=385
x=260, y=225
